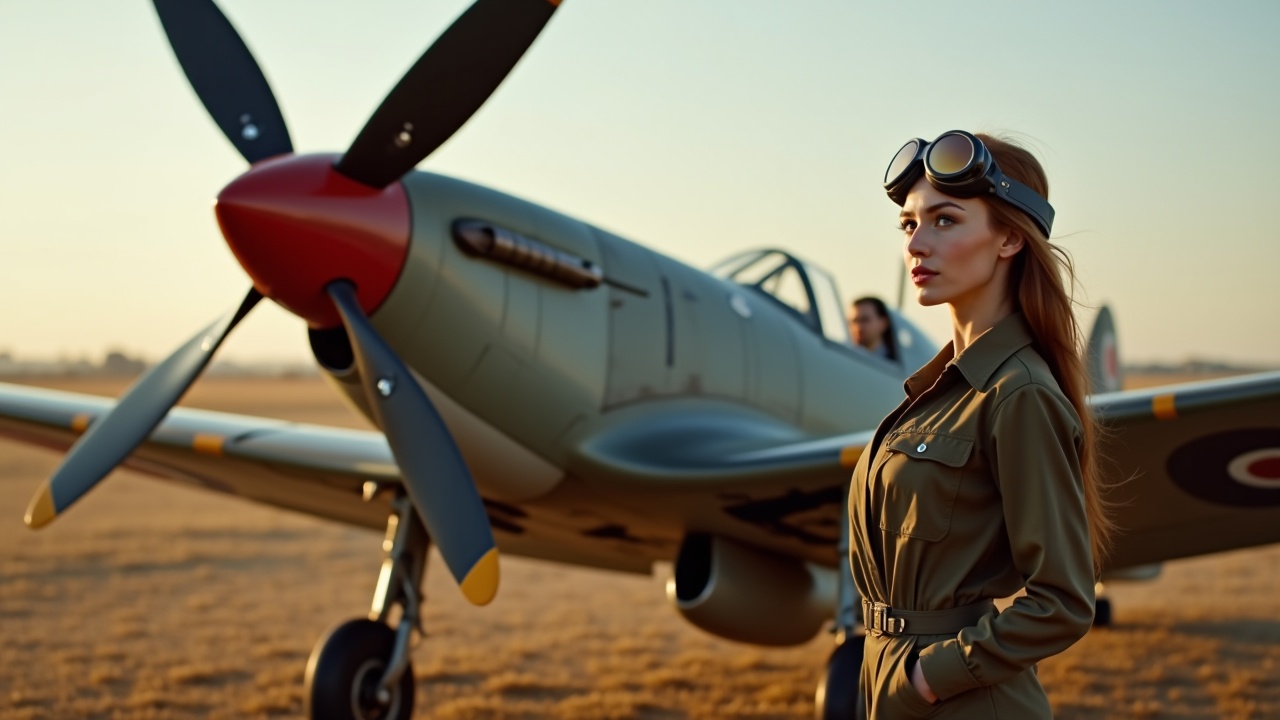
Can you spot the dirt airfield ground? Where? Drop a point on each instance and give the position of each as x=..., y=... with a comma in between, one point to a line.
x=153, y=601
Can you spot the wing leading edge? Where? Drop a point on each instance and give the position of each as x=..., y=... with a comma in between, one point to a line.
x=309, y=468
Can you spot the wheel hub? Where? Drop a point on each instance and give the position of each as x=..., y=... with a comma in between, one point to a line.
x=365, y=704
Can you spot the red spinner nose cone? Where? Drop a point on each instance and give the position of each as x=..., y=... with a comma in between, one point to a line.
x=296, y=225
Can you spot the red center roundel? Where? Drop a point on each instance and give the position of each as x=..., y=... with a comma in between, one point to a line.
x=1268, y=468
x=1113, y=364
x=1259, y=468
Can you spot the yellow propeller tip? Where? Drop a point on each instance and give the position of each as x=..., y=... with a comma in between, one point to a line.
x=41, y=510
x=481, y=583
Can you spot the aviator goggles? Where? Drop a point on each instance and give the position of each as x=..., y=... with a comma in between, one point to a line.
x=958, y=164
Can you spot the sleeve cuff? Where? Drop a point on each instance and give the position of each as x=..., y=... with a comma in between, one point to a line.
x=945, y=670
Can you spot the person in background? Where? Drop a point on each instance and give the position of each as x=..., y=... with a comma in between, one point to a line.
x=870, y=327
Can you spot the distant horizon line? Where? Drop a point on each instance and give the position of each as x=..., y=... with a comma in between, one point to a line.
x=115, y=362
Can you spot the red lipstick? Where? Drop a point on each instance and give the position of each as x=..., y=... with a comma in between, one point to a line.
x=921, y=275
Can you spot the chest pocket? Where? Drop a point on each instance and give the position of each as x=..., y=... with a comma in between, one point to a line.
x=921, y=478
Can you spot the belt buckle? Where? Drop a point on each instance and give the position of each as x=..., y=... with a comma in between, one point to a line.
x=879, y=620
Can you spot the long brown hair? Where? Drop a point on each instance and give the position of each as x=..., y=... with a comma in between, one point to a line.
x=1041, y=279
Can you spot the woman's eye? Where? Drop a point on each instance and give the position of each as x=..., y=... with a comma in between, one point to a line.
x=944, y=220
x=907, y=225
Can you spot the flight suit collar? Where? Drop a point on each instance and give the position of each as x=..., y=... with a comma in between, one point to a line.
x=979, y=361
x=927, y=376
x=985, y=355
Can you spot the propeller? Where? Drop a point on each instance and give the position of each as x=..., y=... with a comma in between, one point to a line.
x=315, y=240
x=144, y=405
x=435, y=475
x=225, y=77
x=444, y=88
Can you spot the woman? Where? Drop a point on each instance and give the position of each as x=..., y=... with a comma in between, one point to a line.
x=982, y=482
x=871, y=329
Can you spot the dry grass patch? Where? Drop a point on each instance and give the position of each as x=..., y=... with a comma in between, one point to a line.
x=600, y=706
x=667, y=679
x=273, y=702
x=279, y=651
x=105, y=676
x=551, y=685
x=202, y=674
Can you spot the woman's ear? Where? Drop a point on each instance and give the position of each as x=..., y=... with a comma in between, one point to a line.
x=1011, y=244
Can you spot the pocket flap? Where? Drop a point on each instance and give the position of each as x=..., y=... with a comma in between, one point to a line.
x=946, y=449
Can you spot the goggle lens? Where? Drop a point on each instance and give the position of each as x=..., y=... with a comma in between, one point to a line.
x=959, y=165
x=901, y=161
x=950, y=154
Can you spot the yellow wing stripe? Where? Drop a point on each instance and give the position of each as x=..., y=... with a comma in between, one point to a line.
x=849, y=456
x=208, y=443
x=1162, y=407
x=481, y=583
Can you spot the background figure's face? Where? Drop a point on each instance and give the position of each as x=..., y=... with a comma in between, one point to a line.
x=866, y=326
x=951, y=251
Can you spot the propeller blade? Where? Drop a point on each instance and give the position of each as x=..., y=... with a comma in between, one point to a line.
x=437, y=479
x=225, y=76
x=113, y=436
x=447, y=85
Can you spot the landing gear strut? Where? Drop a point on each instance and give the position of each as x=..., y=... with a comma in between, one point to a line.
x=360, y=670
x=838, y=695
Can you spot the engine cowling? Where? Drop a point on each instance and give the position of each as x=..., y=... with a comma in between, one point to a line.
x=750, y=595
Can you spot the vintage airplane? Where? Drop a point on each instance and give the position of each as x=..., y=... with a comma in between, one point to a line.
x=555, y=391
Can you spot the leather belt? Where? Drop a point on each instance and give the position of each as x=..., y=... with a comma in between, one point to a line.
x=884, y=620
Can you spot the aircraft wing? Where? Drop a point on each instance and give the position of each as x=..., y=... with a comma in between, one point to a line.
x=309, y=468
x=748, y=475
x=1198, y=465
x=1201, y=464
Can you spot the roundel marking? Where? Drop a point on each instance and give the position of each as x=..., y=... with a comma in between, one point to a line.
x=1260, y=468
x=1110, y=363
x=1237, y=467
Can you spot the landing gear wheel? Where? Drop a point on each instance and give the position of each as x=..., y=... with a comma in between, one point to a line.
x=838, y=695
x=345, y=669
x=1102, y=613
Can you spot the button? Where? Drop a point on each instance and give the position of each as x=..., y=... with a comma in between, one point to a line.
x=922, y=448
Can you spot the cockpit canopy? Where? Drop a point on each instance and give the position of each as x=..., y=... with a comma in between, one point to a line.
x=806, y=290
x=810, y=295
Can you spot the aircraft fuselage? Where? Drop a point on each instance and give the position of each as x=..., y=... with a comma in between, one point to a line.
x=524, y=366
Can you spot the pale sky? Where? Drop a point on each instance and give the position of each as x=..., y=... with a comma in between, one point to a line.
x=698, y=128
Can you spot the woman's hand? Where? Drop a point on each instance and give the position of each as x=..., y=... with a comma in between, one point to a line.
x=921, y=685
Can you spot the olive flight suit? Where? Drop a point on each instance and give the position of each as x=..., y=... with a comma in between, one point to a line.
x=971, y=490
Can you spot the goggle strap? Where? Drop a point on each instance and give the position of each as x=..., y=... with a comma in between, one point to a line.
x=1026, y=200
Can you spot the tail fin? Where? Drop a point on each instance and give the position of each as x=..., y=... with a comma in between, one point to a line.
x=1102, y=357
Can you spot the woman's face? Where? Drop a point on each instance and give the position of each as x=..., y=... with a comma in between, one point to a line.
x=867, y=326
x=952, y=253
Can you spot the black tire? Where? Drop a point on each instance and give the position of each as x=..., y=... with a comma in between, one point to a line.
x=1102, y=613
x=838, y=697
x=344, y=670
